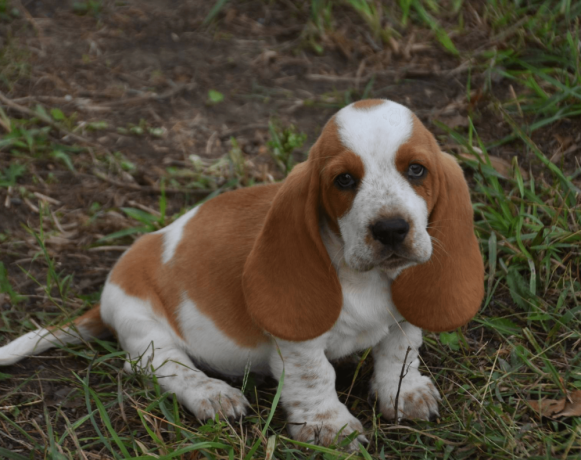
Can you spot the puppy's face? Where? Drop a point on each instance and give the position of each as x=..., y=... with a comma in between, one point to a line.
x=379, y=185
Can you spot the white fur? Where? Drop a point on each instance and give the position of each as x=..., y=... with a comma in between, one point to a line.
x=375, y=134
x=39, y=341
x=206, y=344
x=172, y=234
x=33, y=343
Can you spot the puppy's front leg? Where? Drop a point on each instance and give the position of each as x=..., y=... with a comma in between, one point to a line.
x=418, y=397
x=309, y=396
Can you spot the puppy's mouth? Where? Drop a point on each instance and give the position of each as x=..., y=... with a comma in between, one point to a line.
x=388, y=260
x=394, y=261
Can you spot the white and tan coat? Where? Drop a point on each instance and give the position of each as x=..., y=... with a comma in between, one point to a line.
x=302, y=267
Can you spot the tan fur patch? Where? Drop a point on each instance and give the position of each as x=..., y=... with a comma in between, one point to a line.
x=340, y=161
x=328, y=415
x=421, y=148
x=368, y=103
x=92, y=322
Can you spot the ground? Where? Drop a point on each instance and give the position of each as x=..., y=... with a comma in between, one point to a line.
x=117, y=116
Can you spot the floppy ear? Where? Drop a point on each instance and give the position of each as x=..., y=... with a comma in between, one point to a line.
x=290, y=286
x=445, y=292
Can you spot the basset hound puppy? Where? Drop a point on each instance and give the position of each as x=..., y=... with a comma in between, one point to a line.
x=363, y=245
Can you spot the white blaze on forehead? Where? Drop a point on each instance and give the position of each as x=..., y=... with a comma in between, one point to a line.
x=375, y=131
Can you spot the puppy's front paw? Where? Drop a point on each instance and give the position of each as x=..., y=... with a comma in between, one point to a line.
x=418, y=397
x=211, y=397
x=327, y=427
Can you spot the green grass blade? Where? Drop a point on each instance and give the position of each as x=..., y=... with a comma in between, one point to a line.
x=214, y=11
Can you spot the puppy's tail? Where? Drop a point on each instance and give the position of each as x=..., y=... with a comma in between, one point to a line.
x=85, y=327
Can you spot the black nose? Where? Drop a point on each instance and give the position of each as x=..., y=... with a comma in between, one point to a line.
x=390, y=232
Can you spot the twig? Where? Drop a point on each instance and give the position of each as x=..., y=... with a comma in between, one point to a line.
x=72, y=433
x=108, y=248
x=514, y=96
x=30, y=447
x=490, y=376
x=423, y=433
x=8, y=195
x=154, y=96
x=48, y=199
x=33, y=23
x=7, y=408
x=401, y=376
x=231, y=132
x=32, y=207
x=145, y=188
x=404, y=72
x=335, y=78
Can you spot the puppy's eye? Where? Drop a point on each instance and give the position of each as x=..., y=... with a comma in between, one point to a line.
x=345, y=181
x=416, y=171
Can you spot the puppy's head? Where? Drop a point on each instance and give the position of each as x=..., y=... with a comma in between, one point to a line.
x=379, y=183
x=377, y=177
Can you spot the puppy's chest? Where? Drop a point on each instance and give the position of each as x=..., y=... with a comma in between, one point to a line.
x=366, y=315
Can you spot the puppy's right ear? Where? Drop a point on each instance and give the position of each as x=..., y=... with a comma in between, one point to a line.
x=290, y=286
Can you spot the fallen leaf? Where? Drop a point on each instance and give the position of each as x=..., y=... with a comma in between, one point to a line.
x=564, y=141
x=59, y=396
x=57, y=241
x=503, y=167
x=455, y=121
x=556, y=408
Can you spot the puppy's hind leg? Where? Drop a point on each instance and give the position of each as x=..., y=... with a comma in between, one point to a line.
x=158, y=352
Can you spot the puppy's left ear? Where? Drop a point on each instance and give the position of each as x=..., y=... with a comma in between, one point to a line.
x=445, y=292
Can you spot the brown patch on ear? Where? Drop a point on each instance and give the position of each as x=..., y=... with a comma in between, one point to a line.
x=368, y=103
x=445, y=292
x=290, y=285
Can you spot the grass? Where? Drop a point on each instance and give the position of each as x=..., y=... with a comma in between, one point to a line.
x=523, y=90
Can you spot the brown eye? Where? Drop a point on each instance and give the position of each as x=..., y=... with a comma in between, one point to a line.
x=345, y=181
x=416, y=171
